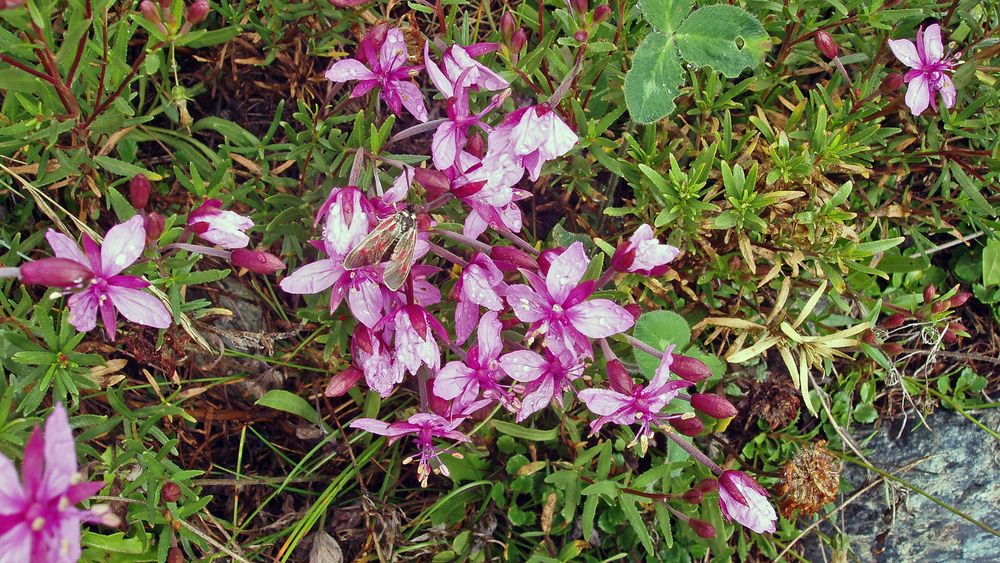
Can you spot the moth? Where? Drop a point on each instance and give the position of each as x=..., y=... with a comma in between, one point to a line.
x=397, y=232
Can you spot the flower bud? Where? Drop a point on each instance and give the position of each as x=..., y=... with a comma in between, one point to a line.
x=702, y=528
x=693, y=496
x=434, y=181
x=690, y=369
x=171, y=492
x=55, y=272
x=623, y=257
x=894, y=320
x=634, y=310
x=868, y=337
x=959, y=299
x=892, y=348
x=149, y=11
x=581, y=6
x=343, y=382
x=154, y=224
x=175, y=555
x=581, y=36
x=439, y=406
x=707, y=485
x=546, y=257
x=601, y=13
x=509, y=258
x=507, y=27
x=939, y=306
x=139, y=189
x=713, y=405
x=166, y=4
x=687, y=425
x=518, y=41
x=475, y=146
x=196, y=12
x=618, y=377
x=949, y=337
x=891, y=83
x=257, y=261
x=929, y=293
x=826, y=44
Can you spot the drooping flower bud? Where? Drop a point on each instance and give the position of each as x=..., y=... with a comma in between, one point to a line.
x=713, y=405
x=702, y=528
x=509, y=258
x=636, y=311
x=688, y=425
x=581, y=6
x=434, y=181
x=693, y=496
x=891, y=83
x=196, y=12
x=959, y=299
x=256, y=261
x=826, y=44
x=166, y=4
x=690, y=369
x=546, y=257
x=581, y=35
x=601, y=13
x=171, y=492
x=892, y=348
x=154, y=224
x=707, y=485
x=55, y=272
x=743, y=500
x=507, y=27
x=894, y=320
x=149, y=11
x=930, y=292
x=139, y=189
x=518, y=41
x=939, y=306
x=343, y=382
x=619, y=378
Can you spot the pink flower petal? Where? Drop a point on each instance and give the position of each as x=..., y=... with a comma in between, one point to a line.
x=906, y=52
x=348, y=69
x=918, y=95
x=599, y=318
x=566, y=271
x=947, y=89
x=123, y=245
x=65, y=247
x=365, y=300
x=140, y=307
x=446, y=144
x=16, y=543
x=12, y=496
x=412, y=99
x=312, y=278
x=527, y=305
x=452, y=380
x=371, y=425
x=603, y=402
x=392, y=55
x=490, y=343
x=524, y=365
x=933, y=47
x=537, y=399
x=60, y=454
x=83, y=310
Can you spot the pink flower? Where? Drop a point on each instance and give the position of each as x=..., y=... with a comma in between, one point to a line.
x=558, y=309
x=930, y=65
x=385, y=70
x=461, y=70
x=425, y=427
x=382, y=369
x=532, y=136
x=349, y=218
x=218, y=226
x=481, y=371
x=627, y=403
x=546, y=377
x=414, y=338
x=743, y=500
x=108, y=291
x=643, y=254
x=39, y=520
x=481, y=284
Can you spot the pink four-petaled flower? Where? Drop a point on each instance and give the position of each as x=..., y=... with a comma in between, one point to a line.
x=220, y=226
x=644, y=254
x=929, y=66
x=743, y=500
x=480, y=372
x=425, y=427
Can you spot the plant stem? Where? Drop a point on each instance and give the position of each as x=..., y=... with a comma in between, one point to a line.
x=692, y=450
x=206, y=250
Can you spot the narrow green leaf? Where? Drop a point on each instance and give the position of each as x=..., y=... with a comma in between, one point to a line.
x=285, y=401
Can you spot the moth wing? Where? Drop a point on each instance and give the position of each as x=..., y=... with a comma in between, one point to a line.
x=373, y=247
x=401, y=261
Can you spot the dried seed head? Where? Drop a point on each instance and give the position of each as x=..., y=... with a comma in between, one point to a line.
x=810, y=480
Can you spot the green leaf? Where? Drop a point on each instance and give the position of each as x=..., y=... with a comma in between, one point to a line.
x=654, y=80
x=665, y=15
x=893, y=262
x=518, y=431
x=723, y=37
x=121, y=206
x=660, y=329
x=285, y=401
x=970, y=189
x=124, y=169
x=991, y=262
x=627, y=504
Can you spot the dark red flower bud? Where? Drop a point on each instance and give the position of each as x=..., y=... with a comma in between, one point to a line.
x=959, y=299
x=468, y=190
x=256, y=261
x=618, y=377
x=688, y=425
x=892, y=348
x=826, y=44
x=343, y=382
x=166, y=4
x=197, y=12
x=623, y=257
x=702, y=528
x=139, y=189
x=434, y=181
x=707, y=485
x=713, y=405
x=929, y=293
x=581, y=36
x=154, y=224
x=507, y=27
x=55, y=272
x=418, y=320
x=175, y=555
x=949, y=337
x=939, y=306
x=634, y=310
x=171, y=492
x=475, y=146
x=581, y=6
x=509, y=258
x=894, y=320
x=891, y=83
x=149, y=11
x=869, y=338
x=690, y=369
x=439, y=406
x=601, y=13
x=518, y=41
x=694, y=496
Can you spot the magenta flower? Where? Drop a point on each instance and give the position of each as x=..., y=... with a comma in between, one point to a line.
x=481, y=284
x=481, y=371
x=643, y=254
x=349, y=218
x=109, y=291
x=545, y=378
x=461, y=70
x=219, y=226
x=558, y=309
x=382, y=369
x=385, y=70
x=39, y=520
x=743, y=500
x=627, y=403
x=426, y=427
x=414, y=334
x=532, y=136
x=930, y=65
